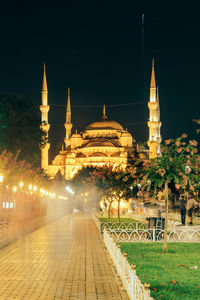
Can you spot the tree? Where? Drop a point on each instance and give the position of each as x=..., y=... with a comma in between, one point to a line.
x=171, y=166
x=20, y=128
x=114, y=184
x=15, y=170
x=85, y=191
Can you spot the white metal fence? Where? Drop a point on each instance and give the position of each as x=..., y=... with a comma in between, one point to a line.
x=156, y=235
x=128, y=226
x=135, y=289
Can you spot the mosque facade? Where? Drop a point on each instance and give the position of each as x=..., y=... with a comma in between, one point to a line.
x=104, y=142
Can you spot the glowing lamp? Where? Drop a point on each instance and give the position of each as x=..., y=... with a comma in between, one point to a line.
x=1, y=178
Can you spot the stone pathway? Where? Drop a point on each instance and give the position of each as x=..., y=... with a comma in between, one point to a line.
x=62, y=260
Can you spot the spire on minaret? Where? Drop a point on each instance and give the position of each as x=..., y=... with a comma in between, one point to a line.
x=68, y=124
x=44, y=88
x=104, y=117
x=44, y=108
x=153, y=84
x=44, y=85
x=154, y=123
x=68, y=112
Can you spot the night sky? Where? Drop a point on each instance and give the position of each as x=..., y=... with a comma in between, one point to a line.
x=101, y=54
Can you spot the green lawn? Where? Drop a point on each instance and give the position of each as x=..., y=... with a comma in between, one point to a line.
x=173, y=275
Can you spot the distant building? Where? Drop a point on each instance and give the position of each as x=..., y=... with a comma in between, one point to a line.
x=103, y=142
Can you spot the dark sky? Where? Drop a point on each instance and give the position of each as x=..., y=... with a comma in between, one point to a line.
x=98, y=52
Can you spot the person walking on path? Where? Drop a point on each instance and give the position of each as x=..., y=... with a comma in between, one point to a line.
x=191, y=204
x=183, y=203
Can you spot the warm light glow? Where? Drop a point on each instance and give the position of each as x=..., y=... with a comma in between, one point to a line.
x=21, y=184
x=68, y=189
x=63, y=198
x=30, y=186
x=35, y=188
x=1, y=178
x=14, y=189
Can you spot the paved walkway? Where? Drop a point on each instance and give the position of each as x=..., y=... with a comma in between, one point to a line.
x=62, y=260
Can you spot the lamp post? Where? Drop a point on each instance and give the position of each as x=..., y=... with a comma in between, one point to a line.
x=187, y=172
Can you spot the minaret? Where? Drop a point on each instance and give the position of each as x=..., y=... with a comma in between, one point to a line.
x=154, y=123
x=44, y=108
x=68, y=124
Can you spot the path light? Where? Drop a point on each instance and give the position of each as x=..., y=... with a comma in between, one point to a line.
x=69, y=190
x=1, y=178
x=35, y=188
x=21, y=184
x=14, y=189
x=30, y=187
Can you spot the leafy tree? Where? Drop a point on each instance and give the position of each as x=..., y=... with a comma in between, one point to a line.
x=20, y=128
x=114, y=184
x=82, y=185
x=15, y=170
x=178, y=156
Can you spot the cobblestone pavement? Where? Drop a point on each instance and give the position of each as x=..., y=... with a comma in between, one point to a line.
x=62, y=260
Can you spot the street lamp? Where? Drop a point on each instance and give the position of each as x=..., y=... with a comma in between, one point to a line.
x=187, y=171
x=21, y=184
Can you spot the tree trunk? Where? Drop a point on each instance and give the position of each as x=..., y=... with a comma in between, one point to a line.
x=166, y=217
x=118, y=211
x=109, y=206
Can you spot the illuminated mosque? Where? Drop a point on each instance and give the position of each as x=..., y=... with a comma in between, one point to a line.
x=103, y=142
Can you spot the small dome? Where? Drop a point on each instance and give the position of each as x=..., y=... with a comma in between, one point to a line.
x=105, y=124
x=76, y=135
x=126, y=134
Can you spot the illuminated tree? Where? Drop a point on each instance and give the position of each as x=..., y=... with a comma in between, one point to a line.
x=114, y=184
x=15, y=170
x=178, y=156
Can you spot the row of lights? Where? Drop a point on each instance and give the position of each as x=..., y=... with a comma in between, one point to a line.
x=33, y=188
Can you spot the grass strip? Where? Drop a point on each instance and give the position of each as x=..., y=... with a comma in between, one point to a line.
x=172, y=275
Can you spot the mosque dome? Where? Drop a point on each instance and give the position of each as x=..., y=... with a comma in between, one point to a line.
x=126, y=134
x=105, y=124
x=76, y=135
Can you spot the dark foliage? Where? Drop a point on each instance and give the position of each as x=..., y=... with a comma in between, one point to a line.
x=20, y=128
